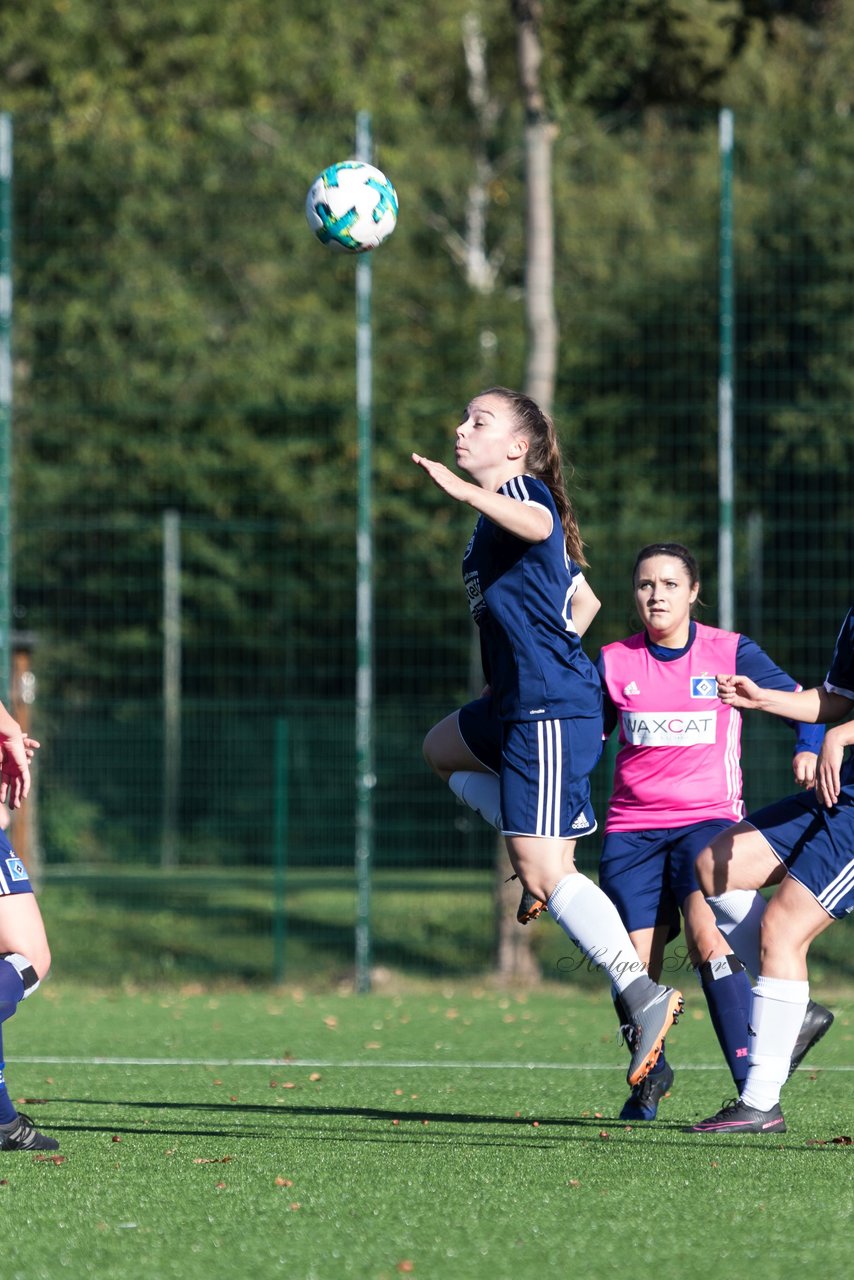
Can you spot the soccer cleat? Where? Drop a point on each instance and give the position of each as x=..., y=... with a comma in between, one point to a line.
x=21, y=1134
x=642, y=1103
x=645, y=1034
x=530, y=908
x=736, y=1117
x=817, y=1021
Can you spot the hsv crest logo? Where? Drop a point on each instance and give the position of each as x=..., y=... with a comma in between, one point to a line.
x=704, y=686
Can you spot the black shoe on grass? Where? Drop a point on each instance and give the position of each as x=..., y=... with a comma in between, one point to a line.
x=817, y=1021
x=736, y=1117
x=642, y=1102
x=21, y=1134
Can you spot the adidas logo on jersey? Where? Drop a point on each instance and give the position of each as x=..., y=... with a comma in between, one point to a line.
x=580, y=823
x=631, y=689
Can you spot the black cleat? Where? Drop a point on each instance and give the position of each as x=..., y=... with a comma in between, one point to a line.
x=649, y=1025
x=21, y=1134
x=735, y=1117
x=530, y=908
x=642, y=1102
x=817, y=1021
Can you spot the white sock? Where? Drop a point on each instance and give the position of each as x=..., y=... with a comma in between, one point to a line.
x=589, y=919
x=481, y=792
x=738, y=915
x=776, y=1013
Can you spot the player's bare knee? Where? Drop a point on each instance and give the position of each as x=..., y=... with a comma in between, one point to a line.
x=705, y=942
x=27, y=967
x=704, y=871
x=431, y=749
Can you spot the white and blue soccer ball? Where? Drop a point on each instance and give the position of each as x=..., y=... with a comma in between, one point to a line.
x=351, y=207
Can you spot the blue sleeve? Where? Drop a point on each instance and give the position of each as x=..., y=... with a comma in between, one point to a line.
x=609, y=711
x=840, y=677
x=754, y=662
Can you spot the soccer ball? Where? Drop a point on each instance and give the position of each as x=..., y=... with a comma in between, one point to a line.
x=351, y=207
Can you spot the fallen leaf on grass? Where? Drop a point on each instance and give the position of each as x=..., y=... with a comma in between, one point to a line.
x=33, y=1102
x=284, y=1182
x=116, y=1138
x=220, y=1186
x=573, y=1182
x=48, y=1159
x=406, y=1266
x=314, y=1077
x=603, y=1133
x=294, y=1205
x=211, y=1160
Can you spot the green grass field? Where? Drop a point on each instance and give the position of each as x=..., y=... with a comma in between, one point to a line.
x=442, y=1131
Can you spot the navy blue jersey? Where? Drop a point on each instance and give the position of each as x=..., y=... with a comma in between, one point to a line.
x=750, y=660
x=840, y=679
x=520, y=595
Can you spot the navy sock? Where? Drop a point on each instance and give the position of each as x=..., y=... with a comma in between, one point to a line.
x=727, y=989
x=11, y=995
x=7, y=1111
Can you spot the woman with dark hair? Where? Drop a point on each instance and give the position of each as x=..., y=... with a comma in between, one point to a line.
x=678, y=784
x=521, y=572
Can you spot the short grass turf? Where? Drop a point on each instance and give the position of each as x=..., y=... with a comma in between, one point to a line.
x=438, y=1131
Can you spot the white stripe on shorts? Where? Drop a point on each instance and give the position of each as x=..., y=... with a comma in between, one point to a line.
x=839, y=886
x=550, y=760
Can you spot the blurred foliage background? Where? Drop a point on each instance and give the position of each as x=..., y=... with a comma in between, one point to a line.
x=184, y=350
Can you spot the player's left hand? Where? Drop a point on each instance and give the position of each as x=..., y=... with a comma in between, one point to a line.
x=803, y=767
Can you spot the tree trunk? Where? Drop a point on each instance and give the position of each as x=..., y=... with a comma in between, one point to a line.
x=514, y=956
x=539, y=211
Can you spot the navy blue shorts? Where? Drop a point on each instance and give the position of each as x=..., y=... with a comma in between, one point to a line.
x=816, y=846
x=649, y=874
x=480, y=730
x=545, y=777
x=13, y=873
x=544, y=768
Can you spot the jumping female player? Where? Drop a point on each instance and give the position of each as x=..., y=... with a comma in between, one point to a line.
x=520, y=570
x=24, y=953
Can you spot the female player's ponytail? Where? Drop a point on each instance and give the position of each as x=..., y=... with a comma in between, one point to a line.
x=544, y=461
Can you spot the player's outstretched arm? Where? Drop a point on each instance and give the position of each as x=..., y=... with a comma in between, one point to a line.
x=525, y=520
x=812, y=706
